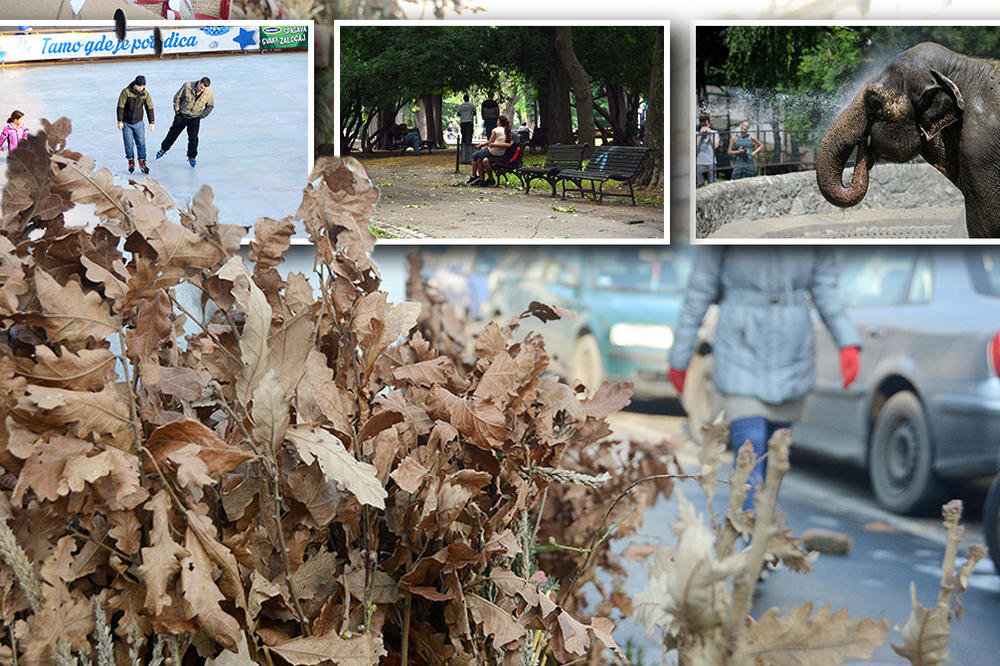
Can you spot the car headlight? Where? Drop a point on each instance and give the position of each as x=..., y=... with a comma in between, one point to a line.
x=642, y=335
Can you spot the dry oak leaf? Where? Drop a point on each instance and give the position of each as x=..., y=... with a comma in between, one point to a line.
x=820, y=640
x=12, y=280
x=272, y=238
x=925, y=634
x=202, y=597
x=479, y=420
x=84, y=370
x=426, y=373
x=77, y=176
x=500, y=380
x=70, y=312
x=409, y=474
x=363, y=650
x=270, y=412
x=608, y=399
x=152, y=327
x=546, y=312
x=252, y=302
x=306, y=484
x=219, y=457
x=494, y=621
x=162, y=558
x=87, y=413
x=337, y=464
x=43, y=469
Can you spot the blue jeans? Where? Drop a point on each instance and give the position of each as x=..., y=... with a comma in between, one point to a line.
x=758, y=430
x=480, y=154
x=136, y=132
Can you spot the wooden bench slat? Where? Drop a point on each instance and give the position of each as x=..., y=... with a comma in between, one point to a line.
x=607, y=163
x=559, y=158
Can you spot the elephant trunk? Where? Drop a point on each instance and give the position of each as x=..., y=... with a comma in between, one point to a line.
x=848, y=130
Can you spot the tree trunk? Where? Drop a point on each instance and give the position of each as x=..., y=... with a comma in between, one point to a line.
x=652, y=175
x=554, y=101
x=580, y=81
x=438, y=137
x=386, y=119
x=622, y=107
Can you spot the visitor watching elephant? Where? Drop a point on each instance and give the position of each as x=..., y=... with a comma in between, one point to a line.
x=743, y=148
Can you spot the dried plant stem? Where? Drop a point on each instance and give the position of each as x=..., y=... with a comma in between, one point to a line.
x=204, y=328
x=13, y=644
x=952, y=513
x=18, y=561
x=745, y=461
x=599, y=533
x=90, y=537
x=132, y=400
x=283, y=546
x=763, y=529
x=404, y=656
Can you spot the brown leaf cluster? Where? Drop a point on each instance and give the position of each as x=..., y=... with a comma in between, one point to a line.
x=292, y=476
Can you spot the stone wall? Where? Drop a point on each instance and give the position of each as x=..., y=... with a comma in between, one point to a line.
x=889, y=186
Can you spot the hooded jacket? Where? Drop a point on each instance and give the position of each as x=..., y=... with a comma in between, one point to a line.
x=764, y=345
x=189, y=102
x=131, y=104
x=13, y=135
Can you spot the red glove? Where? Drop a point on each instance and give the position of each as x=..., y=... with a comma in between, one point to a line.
x=677, y=377
x=850, y=361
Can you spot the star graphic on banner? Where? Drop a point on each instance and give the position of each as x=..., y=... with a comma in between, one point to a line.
x=245, y=38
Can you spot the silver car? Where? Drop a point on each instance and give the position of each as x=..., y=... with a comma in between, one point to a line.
x=925, y=408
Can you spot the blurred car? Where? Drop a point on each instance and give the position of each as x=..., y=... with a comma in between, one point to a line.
x=925, y=408
x=625, y=301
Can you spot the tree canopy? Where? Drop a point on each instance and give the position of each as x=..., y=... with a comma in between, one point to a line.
x=382, y=68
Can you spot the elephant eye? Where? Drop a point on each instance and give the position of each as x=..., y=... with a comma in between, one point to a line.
x=875, y=104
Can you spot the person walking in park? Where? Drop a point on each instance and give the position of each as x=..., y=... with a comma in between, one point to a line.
x=466, y=119
x=14, y=132
x=132, y=101
x=490, y=111
x=706, y=143
x=764, y=353
x=743, y=148
x=192, y=102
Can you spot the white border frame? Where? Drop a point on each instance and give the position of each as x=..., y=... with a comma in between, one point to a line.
x=310, y=58
x=693, y=109
x=527, y=22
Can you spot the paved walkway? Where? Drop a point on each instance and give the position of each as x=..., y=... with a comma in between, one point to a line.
x=867, y=223
x=423, y=197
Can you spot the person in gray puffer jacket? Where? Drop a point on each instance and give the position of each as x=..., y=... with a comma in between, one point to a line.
x=764, y=351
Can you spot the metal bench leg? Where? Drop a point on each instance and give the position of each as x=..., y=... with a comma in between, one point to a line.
x=601, y=199
x=631, y=192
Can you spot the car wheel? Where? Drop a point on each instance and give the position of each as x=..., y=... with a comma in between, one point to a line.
x=700, y=400
x=901, y=457
x=588, y=367
x=991, y=522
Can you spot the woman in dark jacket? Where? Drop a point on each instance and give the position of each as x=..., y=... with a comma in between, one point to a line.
x=764, y=352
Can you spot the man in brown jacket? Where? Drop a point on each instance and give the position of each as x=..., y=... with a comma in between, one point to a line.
x=192, y=102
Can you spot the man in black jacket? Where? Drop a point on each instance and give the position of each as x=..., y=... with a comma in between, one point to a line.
x=131, y=102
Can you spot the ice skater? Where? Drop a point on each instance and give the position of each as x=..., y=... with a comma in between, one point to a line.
x=192, y=102
x=14, y=132
x=131, y=102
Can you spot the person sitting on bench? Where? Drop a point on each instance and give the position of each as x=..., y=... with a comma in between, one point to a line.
x=494, y=149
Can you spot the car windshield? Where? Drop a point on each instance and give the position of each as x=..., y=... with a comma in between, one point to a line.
x=984, y=269
x=640, y=269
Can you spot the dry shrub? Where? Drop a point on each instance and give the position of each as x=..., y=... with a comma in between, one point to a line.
x=301, y=479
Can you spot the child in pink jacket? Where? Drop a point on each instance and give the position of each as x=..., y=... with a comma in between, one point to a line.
x=15, y=131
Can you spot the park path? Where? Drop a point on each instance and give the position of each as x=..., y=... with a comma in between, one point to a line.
x=423, y=197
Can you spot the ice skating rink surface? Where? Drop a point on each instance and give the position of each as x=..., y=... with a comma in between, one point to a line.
x=253, y=148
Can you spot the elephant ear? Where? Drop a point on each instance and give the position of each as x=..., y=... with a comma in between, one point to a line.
x=940, y=105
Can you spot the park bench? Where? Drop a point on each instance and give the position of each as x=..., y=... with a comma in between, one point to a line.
x=559, y=158
x=607, y=163
x=507, y=167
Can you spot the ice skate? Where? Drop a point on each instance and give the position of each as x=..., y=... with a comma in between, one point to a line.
x=131, y=165
x=192, y=161
x=142, y=166
x=160, y=153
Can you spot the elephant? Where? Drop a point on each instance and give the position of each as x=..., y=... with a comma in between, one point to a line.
x=932, y=102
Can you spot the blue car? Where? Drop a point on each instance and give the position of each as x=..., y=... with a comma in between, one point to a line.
x=625, y=300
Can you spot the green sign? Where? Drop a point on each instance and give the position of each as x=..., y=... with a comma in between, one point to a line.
x=284, y=37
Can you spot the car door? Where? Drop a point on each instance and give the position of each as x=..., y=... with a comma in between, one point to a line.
x=874, y=282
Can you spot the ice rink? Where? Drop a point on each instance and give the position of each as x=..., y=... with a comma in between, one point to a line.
x=253, y=148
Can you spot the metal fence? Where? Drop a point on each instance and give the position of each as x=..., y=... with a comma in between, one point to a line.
x=784, y=151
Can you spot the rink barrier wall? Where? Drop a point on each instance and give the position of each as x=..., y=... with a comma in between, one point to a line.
x=73, y=45
x=889, y=186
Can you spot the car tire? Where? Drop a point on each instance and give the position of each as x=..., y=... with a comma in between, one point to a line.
x=991, y=522
x=700, y=400
x=588, y=367
x=901, y=457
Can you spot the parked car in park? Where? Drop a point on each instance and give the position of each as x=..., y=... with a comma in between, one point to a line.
x=925, y=408
x=625, y=300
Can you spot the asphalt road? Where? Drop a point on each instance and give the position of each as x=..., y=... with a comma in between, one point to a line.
x=872, y=580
